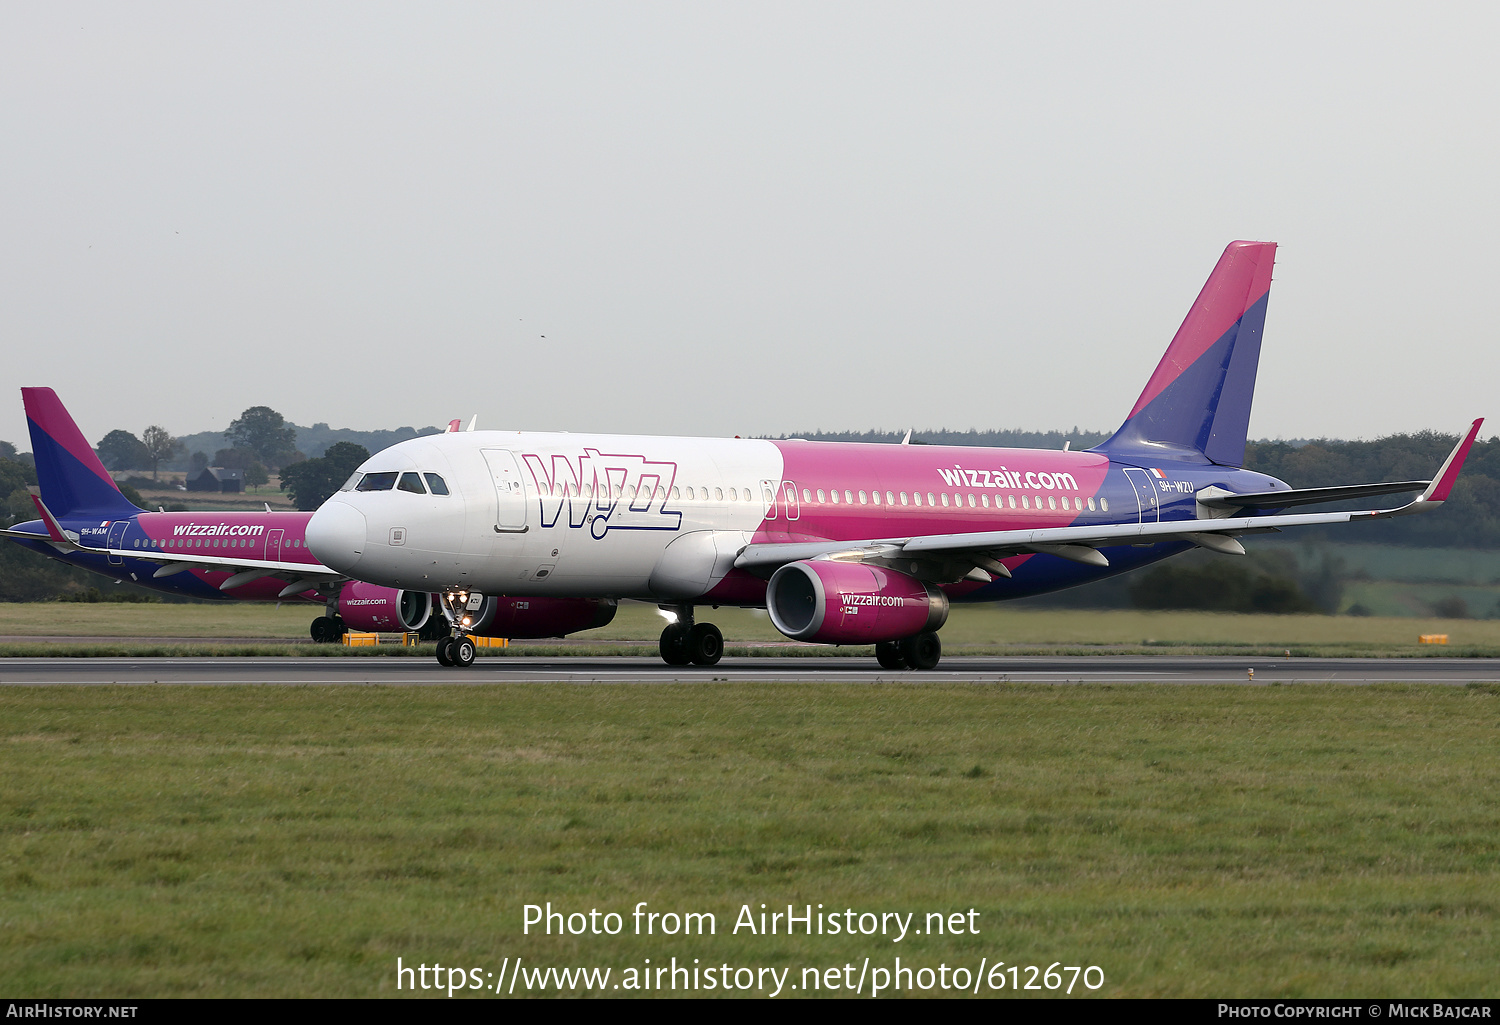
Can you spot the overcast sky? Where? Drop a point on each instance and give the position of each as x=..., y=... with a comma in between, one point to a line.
x=739, y=218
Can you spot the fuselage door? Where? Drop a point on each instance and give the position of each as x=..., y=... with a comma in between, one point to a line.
x=789, y=503
x=1145, y=495
x=510, y=494
x=273, y=545
x=117, y=539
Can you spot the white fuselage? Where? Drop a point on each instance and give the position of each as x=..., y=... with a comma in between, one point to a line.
x=555, y=514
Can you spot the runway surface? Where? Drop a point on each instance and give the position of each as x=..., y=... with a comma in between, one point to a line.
x=416, y=671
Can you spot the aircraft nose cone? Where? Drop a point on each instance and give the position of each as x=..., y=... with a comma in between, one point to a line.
x=336, y=535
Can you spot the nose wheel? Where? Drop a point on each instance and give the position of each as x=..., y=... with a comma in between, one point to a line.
x=687, y=643
x=457, y=649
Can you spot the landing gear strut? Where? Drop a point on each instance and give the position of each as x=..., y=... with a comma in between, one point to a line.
x=920, y=652
x=685, y=642
x=457, y=648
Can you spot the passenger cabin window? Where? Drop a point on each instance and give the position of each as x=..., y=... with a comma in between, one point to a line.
x=383, y=481
x=436, y=484
x=411, y=482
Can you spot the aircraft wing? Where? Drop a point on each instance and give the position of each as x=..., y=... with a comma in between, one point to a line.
x=983, y=549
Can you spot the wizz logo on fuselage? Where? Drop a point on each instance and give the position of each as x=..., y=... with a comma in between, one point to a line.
x=604, y=491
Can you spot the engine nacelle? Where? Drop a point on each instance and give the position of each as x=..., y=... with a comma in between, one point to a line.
x=539, y=617
x=851, y=603
x=376, y=609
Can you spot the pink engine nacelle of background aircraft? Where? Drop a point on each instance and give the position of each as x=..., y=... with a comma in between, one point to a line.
x=245, y=556
x=841, y=543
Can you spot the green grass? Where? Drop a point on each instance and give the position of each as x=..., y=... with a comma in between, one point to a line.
x=1202, y=841
x=970, y=630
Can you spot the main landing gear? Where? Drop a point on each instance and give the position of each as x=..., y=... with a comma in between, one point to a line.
x=687, y=643
x=920, y=652
x=327, y=630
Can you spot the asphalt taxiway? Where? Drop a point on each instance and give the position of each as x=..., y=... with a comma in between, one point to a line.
x=416, y=671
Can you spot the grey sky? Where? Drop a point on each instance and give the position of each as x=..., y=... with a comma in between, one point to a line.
x=738, y=218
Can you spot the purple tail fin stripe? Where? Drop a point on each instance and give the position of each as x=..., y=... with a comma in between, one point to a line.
x=1199, y=397
x=73, y=481
x=1241, y=278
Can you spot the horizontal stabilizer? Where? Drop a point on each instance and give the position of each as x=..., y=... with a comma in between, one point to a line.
x=1216, y=499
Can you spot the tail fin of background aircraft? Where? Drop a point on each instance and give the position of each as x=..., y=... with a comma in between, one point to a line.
x=73, y=482
x=1198, y=401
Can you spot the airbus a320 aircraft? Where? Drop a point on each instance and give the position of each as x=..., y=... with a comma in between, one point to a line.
x=252, y=556
x=841, y=543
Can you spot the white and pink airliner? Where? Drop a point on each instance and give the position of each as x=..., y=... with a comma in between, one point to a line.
x=841, y=543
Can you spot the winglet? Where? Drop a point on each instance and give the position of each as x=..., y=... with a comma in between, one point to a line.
x=453, y=426
x=472, y=421
x=1437, y=492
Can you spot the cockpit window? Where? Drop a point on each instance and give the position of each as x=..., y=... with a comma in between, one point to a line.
x=353, y=480
x=382, y=481
x=411, y=482
x=436, y=483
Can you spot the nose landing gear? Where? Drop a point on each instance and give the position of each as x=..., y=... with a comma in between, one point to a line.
x=457, y=649
x=687, y=643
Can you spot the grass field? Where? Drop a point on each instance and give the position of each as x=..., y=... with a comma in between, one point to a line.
x=1196, y=841
x=969, y=629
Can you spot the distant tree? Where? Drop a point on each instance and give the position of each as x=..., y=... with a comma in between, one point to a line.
x=7, y=450
x=15, y=500
x=311, y=481
x=121, y=450
x=1218, y=587
x=197, y=462
x=159, y=446
x=234, y=458
x=1451, y=607
x=132, y=496
x=264, y=432
x=256, y=476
